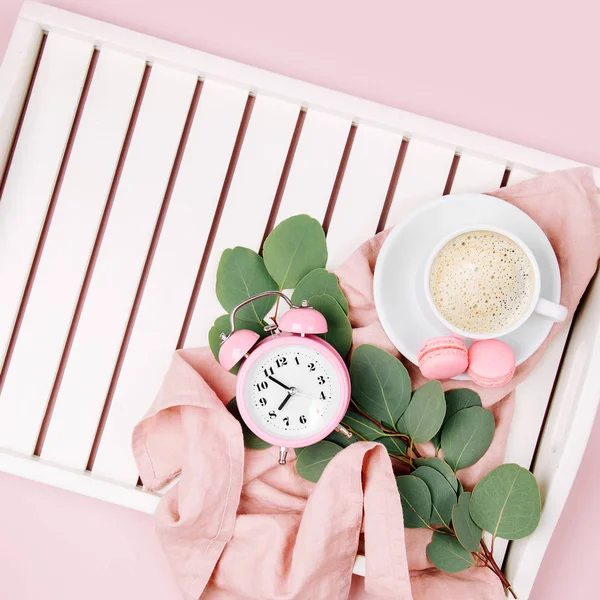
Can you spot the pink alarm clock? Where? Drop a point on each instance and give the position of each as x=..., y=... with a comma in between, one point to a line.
x=293, y=388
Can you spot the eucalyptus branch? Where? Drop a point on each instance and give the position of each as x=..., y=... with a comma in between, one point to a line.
x=496, y=568
x=402, y=459
x=375, y=422
x=353, y=432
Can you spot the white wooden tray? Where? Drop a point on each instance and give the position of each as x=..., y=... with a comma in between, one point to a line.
x=130, y=163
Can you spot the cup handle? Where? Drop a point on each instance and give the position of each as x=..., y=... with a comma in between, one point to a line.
x=553, y=311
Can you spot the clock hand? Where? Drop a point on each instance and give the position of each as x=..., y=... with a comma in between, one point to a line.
x=287, y=387
x=307, y=396
x=285, y=400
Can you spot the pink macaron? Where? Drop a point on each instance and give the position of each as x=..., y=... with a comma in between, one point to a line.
x=443, y=357
x=491, y=363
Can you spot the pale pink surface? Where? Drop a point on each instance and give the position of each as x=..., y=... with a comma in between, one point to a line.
x=521, y=71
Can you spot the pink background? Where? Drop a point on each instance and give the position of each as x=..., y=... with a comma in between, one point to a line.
x=524, y=71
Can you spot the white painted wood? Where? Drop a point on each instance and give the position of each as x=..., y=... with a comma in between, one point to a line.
x=363, y=191
x=67, y=249
x=532, y=398
x=568, y=426
x=315, y=166
x=423, y=178
x=35, y=166
x=173, y=273
x=83, y=483
x=249, y=201
x=518, y=175
x=476, y=174
x=122, y=255
x=15, y=76
x=293, y=90
x=531, y=401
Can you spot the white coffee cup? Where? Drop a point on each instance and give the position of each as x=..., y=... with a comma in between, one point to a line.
x=542, y=306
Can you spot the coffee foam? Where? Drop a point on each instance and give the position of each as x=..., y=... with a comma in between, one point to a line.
x=482, y=282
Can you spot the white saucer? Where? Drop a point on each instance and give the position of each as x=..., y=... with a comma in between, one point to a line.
x=398, y=283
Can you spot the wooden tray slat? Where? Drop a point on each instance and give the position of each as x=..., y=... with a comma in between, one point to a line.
x=35, y=167
x=173, y=272
x=363, y=191
x=249, y=201
x=475, y=174
x=315, y=166
x=69, y=243
x=518, y=175
x=117, y=271
x=423, y=177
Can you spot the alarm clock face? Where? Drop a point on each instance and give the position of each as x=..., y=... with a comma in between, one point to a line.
x=294, y=391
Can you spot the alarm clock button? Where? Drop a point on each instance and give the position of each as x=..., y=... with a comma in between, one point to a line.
x=236, y=346
x=303, y=321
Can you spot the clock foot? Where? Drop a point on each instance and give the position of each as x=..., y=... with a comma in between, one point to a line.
x=343, y=431
x=282, y=455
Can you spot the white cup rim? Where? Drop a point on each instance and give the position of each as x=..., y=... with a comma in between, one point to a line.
x=534, y=297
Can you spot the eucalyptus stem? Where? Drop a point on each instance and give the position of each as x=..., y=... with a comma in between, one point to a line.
x=402, y=459
x=366, y=416
x=496, y=569
x=276, y=309
x=360, y=437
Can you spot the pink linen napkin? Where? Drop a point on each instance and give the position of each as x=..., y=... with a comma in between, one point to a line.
x=239, y=526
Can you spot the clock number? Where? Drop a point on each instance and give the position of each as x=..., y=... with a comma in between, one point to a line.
x=272, y=414
x=269, y=371
x=296, y=359
x=321, y=380
x=322, y=395
x=281, y=362
x=286, y=421
x=303, y=419
x=311, y=366
x=263, y=385
x=262, y=401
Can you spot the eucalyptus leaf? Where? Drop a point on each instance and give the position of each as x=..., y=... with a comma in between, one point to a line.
x=506, y=502
x=441, y=466
x=401, y=426
x=416, y=501
x=366, y=429
x=446, y=553
x=241, y=274
x=223, y=325
x=443, y=496
x=293, y=249
x=313, y=459
x=394, y=444
x=380, y=383
x=425, y=413
x=316, y=283
x=339, y=330
x=456, y=400
x=467, y=531
x=466, y=436
x=251, y=440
